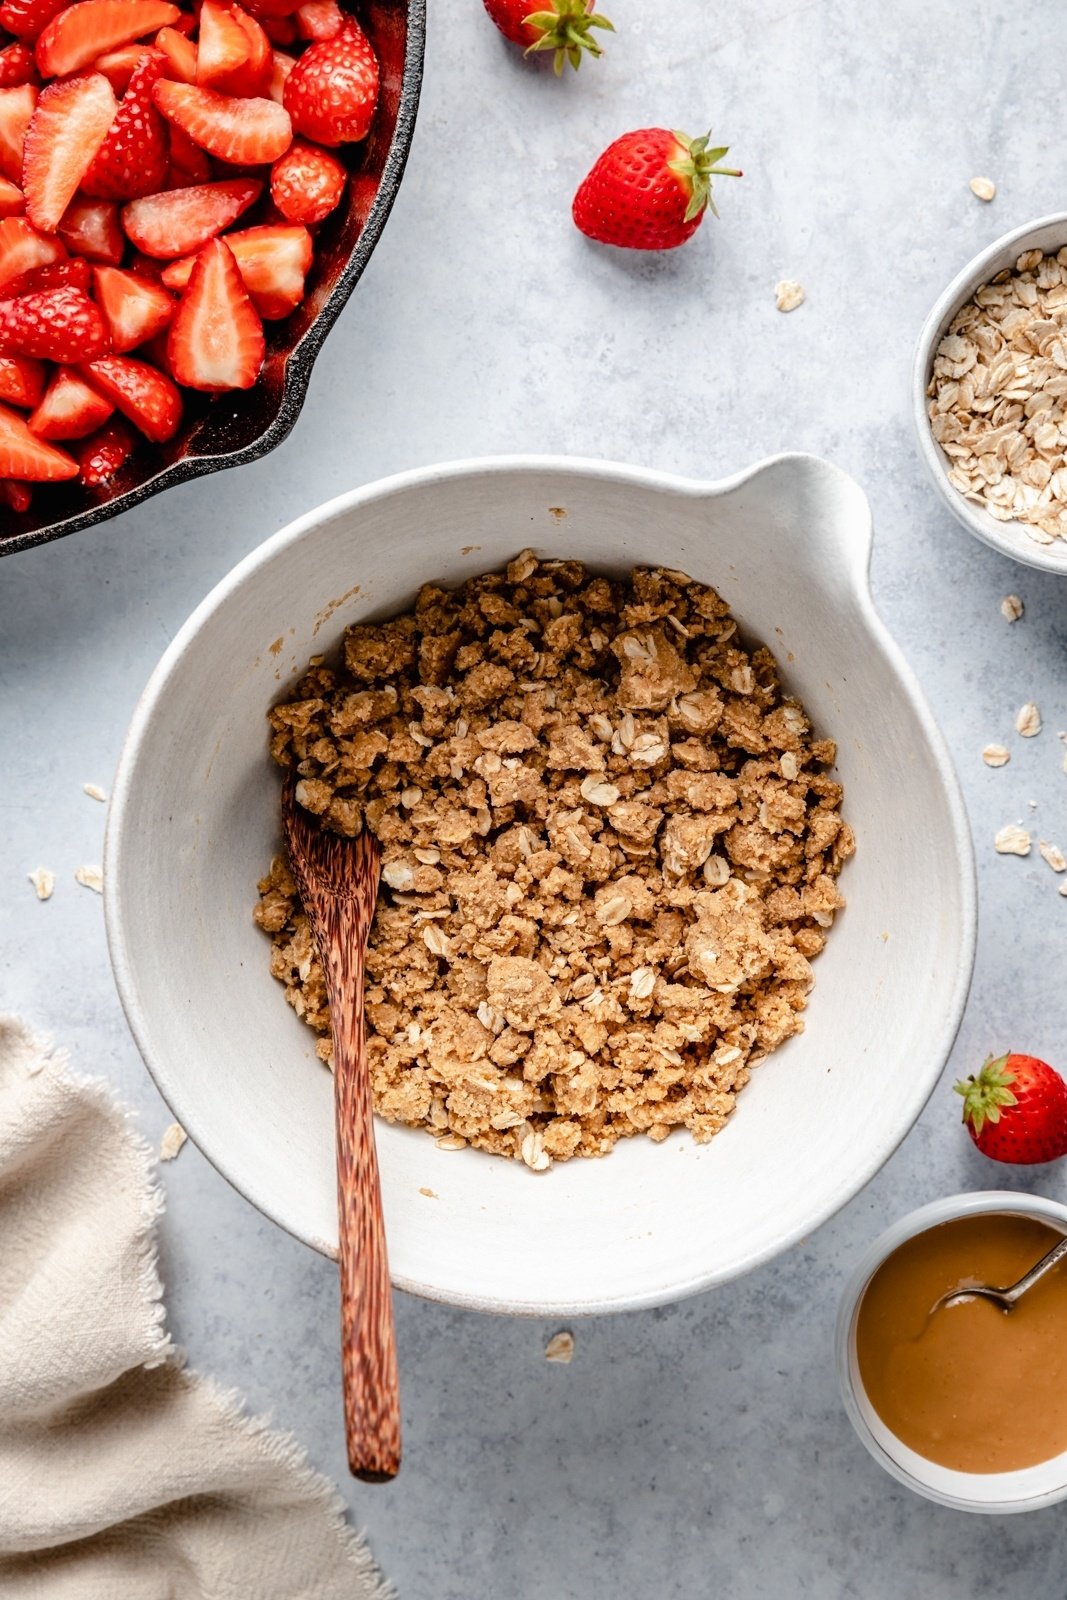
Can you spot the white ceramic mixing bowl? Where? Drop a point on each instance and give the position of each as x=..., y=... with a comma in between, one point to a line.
x=194, y=822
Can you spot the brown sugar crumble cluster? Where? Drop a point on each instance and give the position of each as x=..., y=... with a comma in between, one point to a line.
x=610, y=851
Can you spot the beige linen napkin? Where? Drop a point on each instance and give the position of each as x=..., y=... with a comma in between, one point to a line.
x=123, y=1477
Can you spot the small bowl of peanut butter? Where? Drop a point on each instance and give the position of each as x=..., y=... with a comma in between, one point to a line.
x=961, y=1400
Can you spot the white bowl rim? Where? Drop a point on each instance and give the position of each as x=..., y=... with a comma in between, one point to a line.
x=943, y=1034
x=941, y=1484
x=1048, y=558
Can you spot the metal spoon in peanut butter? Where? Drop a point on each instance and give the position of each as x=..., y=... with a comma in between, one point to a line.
x=1007, y=1298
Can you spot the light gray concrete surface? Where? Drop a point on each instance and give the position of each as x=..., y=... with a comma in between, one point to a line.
x=698, y=1450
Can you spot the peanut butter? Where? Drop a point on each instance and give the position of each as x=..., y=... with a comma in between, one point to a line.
x=969, y=1386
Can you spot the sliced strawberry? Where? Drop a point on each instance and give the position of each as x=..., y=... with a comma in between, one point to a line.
x=273, y=262
x=279, y=30
x=14, y=494
x=54, y=325
x=118, y=66
x=133, y=159
x=319, y=19
x=222, y=44
x=245, y=132
x=53, y=275
x=21, y=381
x=66, y=130
x=91, y=228
x=216, y=339
x=134, y=308
x=101, y=456
x=180, y=53
x=169, y=225
x=145, y=396
x=70, y=408
x=253, y=77
x=332, y=91
x=307, y=183
x=23, y=455
x=188, y=163
x=12, y=199
x=16, y=109
x=83, y=31
x=16, y=66
x=22, y=248
x=281, y=66
x=26, y=18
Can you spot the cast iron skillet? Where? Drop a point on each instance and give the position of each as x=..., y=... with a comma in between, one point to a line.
x=234, y=428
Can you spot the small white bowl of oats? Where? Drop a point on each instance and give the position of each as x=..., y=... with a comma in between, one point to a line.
x=639, y=1019
x=989, y=393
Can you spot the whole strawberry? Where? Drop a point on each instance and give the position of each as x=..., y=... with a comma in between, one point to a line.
x=650, y=189
x=1016, y=1110
x=563, y=26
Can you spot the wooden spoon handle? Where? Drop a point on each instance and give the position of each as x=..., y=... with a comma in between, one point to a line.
x=368, y=1337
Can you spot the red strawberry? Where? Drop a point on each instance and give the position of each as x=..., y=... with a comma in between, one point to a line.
x=273, y=262
x=281, y=66
x=134, y=308
x=12, y=199
x=145, y=396
x=91, y=228
x=216, y=339
x=253, y=77
x=14, y=494
x=222, y=45
x=319, y=19
x=306, y=183
x=16, y=109
x=55, y=325
x=118, y=66
x=83, y=31
x=279, y=30
x=133, y=159
x=22, y=248
x=188, y=163
x=273, y=11
x=562, y=26
x=101, y=456
x=244, y=132
x=23, y=455
x=16, y=66
x=66, y=130
x=21, y=381
x=53, y=275
x=70, y=408
x=1016, y=1110
x=332, y=91
x=180, y=53
x=649, y=190
x=26, y=18
x=172, y=224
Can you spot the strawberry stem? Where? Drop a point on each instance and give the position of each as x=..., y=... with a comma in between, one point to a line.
x=564, y=28
x=985, y=1094
x=696, y=166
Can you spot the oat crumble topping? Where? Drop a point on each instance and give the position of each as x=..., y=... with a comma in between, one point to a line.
x=610, y=851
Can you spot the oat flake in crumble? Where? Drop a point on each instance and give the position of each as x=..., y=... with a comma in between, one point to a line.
x=610, y=850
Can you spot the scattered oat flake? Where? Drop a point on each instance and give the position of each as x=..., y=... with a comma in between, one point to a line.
x=1063, y=888
x=173, y=1139
x=1053, y=855
x=43, y=882
x=450, y=1141
x=983, y=188
x=1011, y=607
x=560, y=1348
x=90, y=878
x=94, y=791
x=788, y=294
x=1028, y=720
x=996, y=755
x=431, y=1194
x=1012, y=841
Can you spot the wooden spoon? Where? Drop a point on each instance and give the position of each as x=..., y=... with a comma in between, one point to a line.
x=338, y=883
